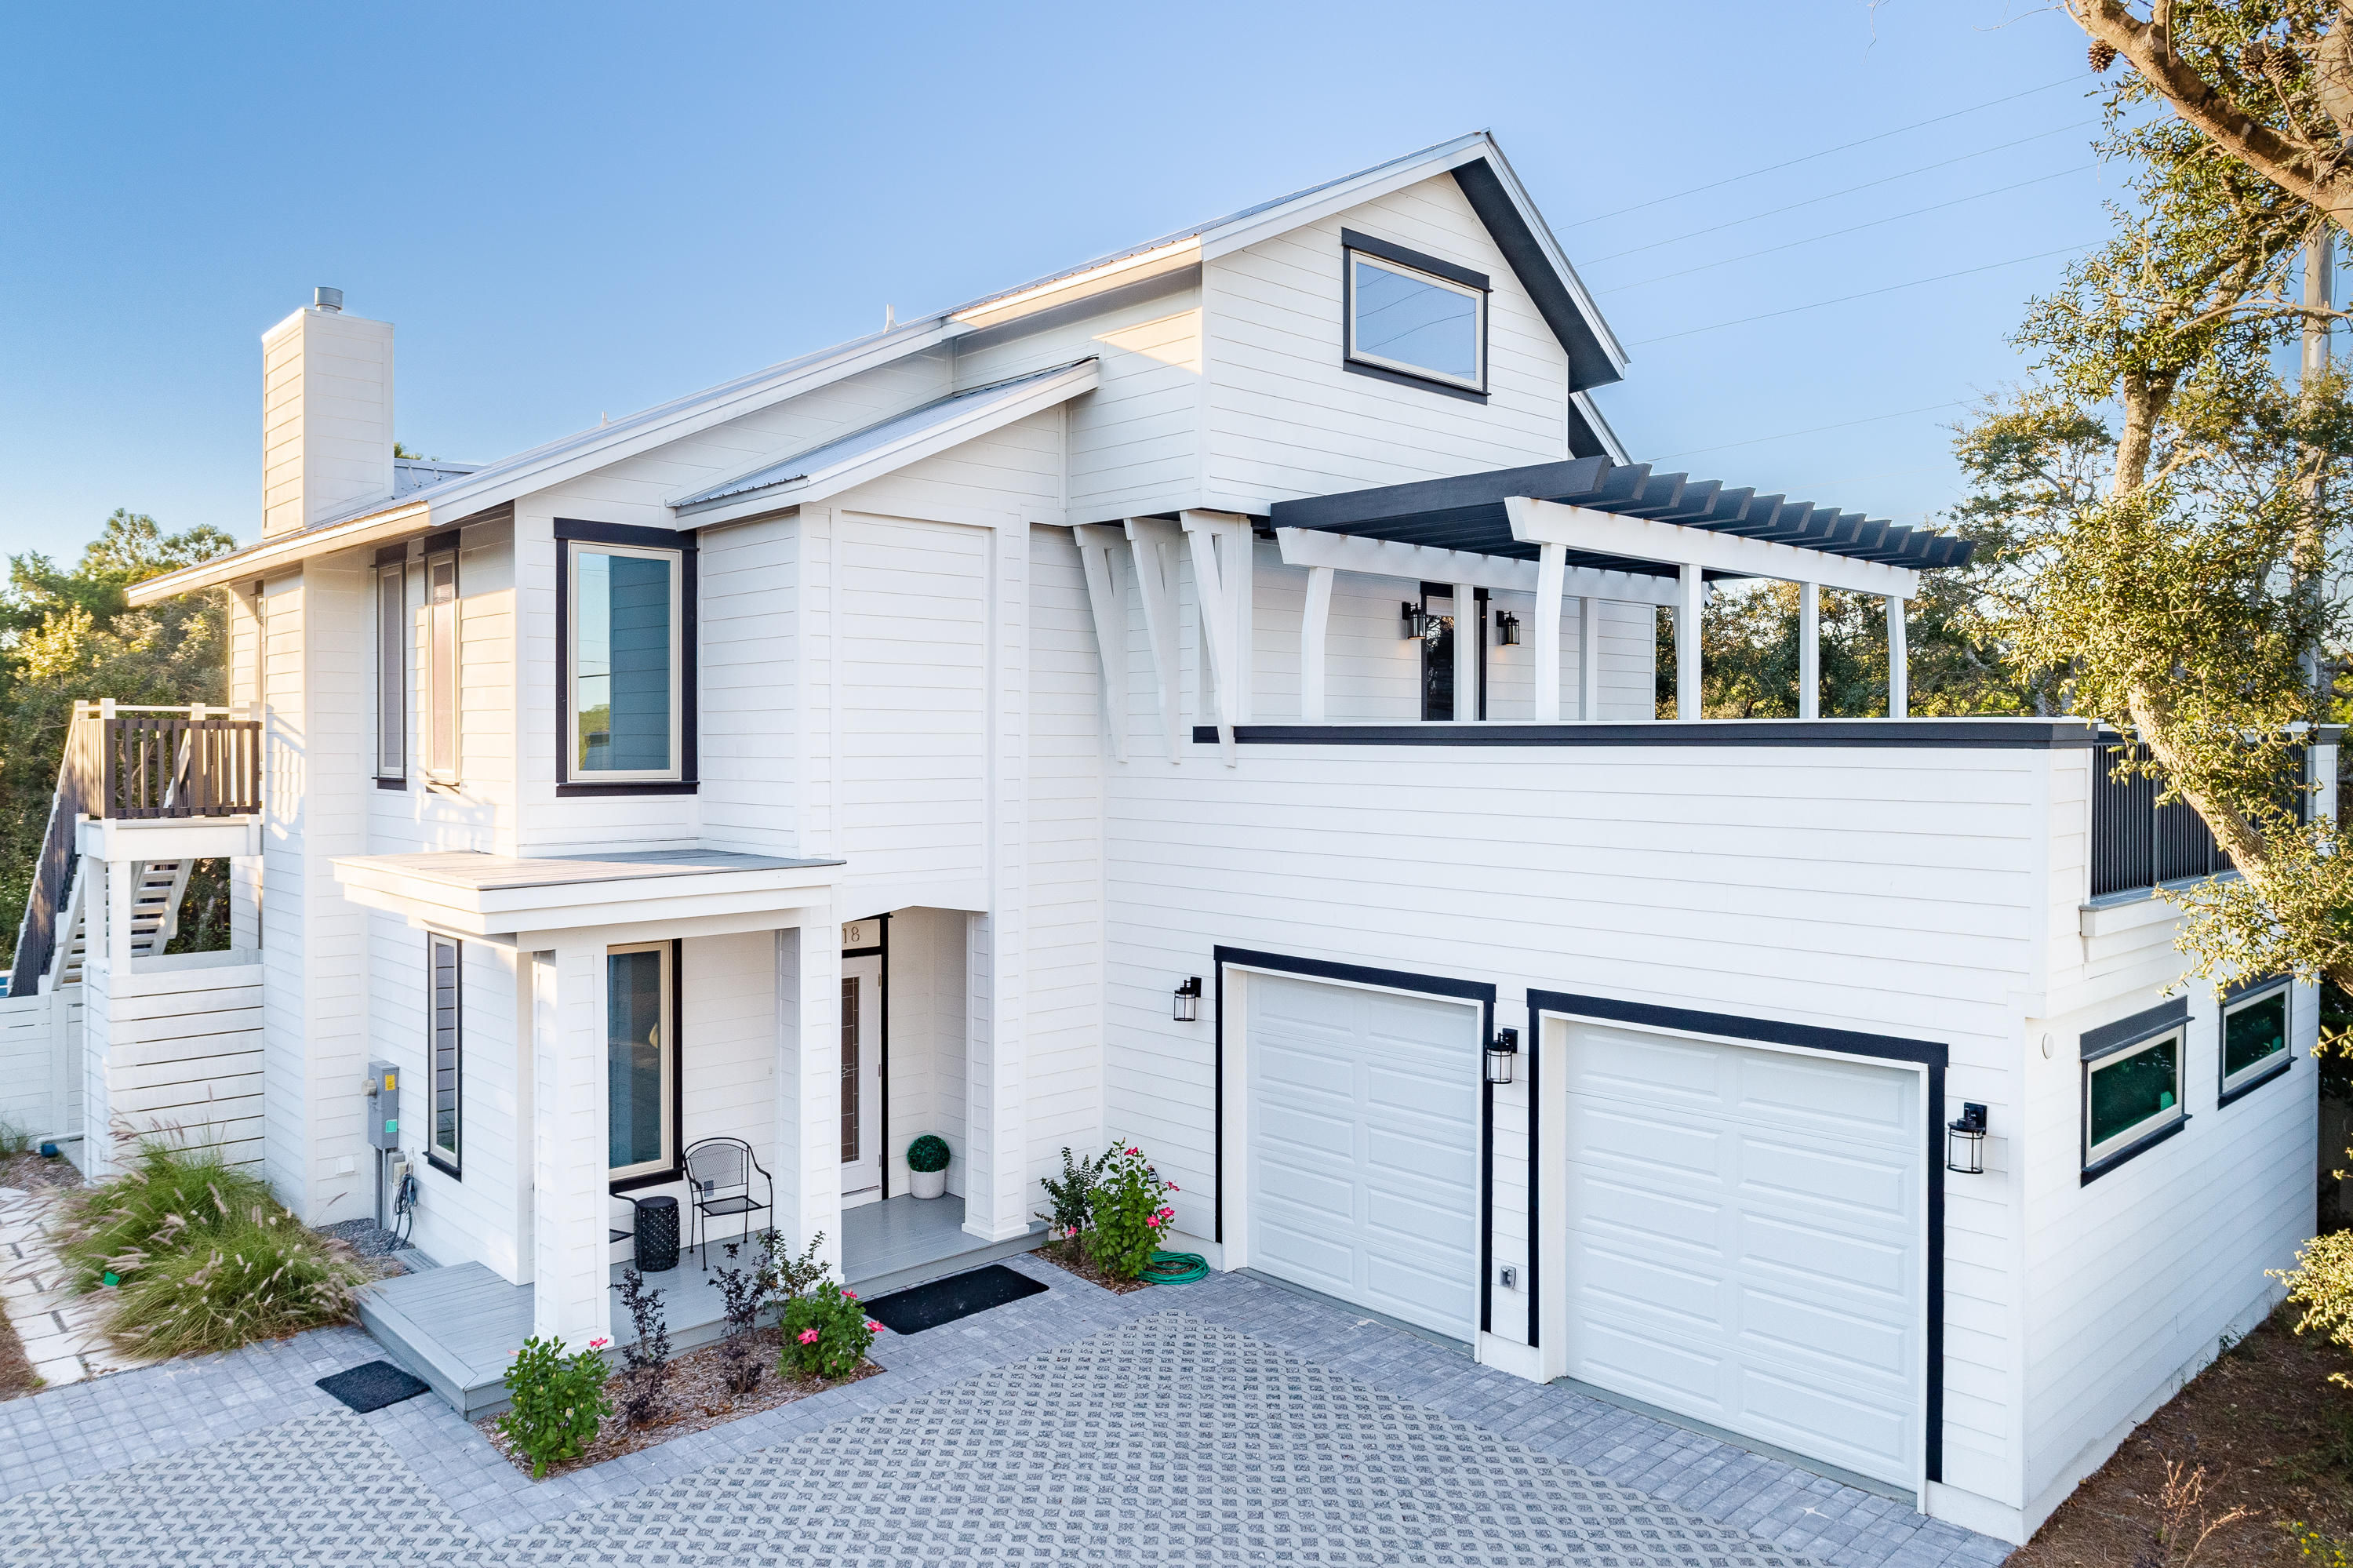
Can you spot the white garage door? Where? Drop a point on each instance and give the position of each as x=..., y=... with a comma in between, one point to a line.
x=1364, y=1147
x=1744, y=1242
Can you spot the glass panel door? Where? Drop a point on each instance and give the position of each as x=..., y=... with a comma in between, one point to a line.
x=861, y=1079
x=640, y=1078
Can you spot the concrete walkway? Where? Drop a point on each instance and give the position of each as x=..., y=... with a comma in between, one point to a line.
x=1224, y=1422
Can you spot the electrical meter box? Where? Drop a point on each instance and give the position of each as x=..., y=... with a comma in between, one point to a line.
x=384, y=1105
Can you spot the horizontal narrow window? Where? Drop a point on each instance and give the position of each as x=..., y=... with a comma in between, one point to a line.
x=1404, y=320
x=2131, y=1094
x=2254, y=1038
x=626, y=661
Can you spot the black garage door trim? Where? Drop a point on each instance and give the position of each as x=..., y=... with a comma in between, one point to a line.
x=1930, y=1055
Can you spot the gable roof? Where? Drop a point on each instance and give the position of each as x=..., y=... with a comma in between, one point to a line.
x=1476, y=163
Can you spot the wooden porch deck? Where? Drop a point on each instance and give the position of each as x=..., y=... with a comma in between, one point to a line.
x=457, y=1327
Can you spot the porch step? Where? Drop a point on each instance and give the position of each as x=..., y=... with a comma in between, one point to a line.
x=477, y=1323
x=884, y=1282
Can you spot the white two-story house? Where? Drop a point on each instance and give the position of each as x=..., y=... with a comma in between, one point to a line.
x=1205, y=697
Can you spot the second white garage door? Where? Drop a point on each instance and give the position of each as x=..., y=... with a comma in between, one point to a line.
x=1745, y=1241
x=1363, y=1148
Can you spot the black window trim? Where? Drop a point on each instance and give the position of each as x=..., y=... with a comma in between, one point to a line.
x=454, y=1170
x=1436, y=267
x=2242, y=995
x=2097, y=1046
x=676, y=1171
x=568, y=532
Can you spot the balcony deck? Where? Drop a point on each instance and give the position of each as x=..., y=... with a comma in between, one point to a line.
x=457, y=1327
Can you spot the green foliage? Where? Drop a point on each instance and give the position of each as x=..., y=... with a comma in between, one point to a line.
x=557, y=1401
x=252, y=1279
x=69, y=635
x=2322, y=1284
x=1127, y=1213
x=167, y=1198
x=929, y=1152
x=1070, y=1197
x=14, y=1140
x=825, y=1332
x=783, y=1277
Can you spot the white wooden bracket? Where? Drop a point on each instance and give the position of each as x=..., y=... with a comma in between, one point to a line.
x=1155, y=541
x=1221, y=573
x=1099, y=545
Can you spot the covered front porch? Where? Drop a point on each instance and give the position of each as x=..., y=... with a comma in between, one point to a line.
x=457, y=1327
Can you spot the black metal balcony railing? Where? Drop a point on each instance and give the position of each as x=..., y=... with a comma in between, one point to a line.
x=2138, y=843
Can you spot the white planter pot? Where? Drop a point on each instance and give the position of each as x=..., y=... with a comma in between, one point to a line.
x=927, y=1183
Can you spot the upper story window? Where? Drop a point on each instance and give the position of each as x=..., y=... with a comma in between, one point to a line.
x=1415, y=317
x=392, y=668
x=2254, y=1037
x=2132, y=1084
x=441, y=726
x=627, y=616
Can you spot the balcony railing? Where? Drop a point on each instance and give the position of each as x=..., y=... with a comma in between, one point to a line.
x=2138, y=843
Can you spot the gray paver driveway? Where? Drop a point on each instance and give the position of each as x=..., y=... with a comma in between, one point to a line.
x=1224, y=1423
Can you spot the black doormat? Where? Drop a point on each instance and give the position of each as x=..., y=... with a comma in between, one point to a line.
x=372, y=1385
x=921, y=1306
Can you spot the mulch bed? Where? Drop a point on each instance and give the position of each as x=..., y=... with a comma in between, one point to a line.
x=1071, y=1259
x=17, y=1374
x=2276, y=1436
x=695, y=1400
x=25, y=1172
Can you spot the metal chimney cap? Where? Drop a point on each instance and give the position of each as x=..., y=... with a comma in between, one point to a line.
x=327, y=299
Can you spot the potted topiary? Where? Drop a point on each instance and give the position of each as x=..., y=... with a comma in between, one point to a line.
x=927, y=1166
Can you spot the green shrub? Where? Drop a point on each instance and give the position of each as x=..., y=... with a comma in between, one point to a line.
x=14, y=1140
x=1070, y=1197
x=2322, y=1284
x=557, y=1401
x=929, y=1152
x=245, y=1281
x=1128, y=1211
x=166, y=1198
x=825, y=1332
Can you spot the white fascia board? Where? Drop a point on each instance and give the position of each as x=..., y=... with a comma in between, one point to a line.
x=1330, y=200
x=1606, y=533
x=1173, y=257
x=557, y=462
x=117, y=840
x=576, y=906
x=985, y=414
x=1390, y=559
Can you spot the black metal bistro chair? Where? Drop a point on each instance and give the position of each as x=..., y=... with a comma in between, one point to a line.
x=719, y=1176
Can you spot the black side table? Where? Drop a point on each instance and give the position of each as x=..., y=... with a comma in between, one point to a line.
x=656, y=1234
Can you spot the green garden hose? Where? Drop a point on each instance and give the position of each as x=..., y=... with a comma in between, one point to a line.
x=1174, y=1269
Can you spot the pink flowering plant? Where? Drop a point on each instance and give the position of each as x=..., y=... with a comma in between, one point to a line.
x=825, y=1332
x=1128, y=1213
x=557, y=1400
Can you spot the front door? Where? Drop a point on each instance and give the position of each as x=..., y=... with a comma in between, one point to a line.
x=861, y=1080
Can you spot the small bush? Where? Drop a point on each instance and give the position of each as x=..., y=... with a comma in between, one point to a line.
x=648, y=1356
x=2322, y=1284
x=929, y=1152
x=1128, y=1211
x=167, y=1199
x=14, y=1140
x=1070, y=1197
x=558, y=1401
x=826, y=1332
x=246, y=1281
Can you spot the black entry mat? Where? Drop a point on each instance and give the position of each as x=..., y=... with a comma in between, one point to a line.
x=921, y=1306
x=372, y=1385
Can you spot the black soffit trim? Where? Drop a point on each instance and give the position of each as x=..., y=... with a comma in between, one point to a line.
x=1733, y=1026
x=1358, y=974
x=1420, y=261
x=624, y=534
x=1467, y=512
x=2147, y=1025
x=1588, y=361
x=1956, y=735
x=2245, y=989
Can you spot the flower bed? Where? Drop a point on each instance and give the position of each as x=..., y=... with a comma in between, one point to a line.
x=695, y=1399
x=1071, y=1258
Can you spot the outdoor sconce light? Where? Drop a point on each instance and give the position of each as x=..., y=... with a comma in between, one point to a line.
x=1507, y=630
x=1502, y=1051
x=1412, y=621
x=1188, y=1000
x=1965, y=1140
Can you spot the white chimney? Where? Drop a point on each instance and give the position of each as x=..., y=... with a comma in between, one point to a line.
x=326, y=414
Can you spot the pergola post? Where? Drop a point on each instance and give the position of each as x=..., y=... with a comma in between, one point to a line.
x=1314, y=622
x=1809, y=651
x=1552, y=561
x=571, y=1154
x=1899, y=668
x=1688, y=616
x=1469, y=641
x=1588, y=658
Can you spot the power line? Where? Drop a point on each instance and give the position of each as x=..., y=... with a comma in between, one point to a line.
x=1865, y=294
x=1843, y=146
x=1836, y=233
x=1811, y=430
x=1813, y=201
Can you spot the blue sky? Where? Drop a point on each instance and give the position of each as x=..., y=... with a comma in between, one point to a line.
x=576, y=210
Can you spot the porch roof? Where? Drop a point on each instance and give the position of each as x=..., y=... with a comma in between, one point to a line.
x=474, y=893
x=1468, y=513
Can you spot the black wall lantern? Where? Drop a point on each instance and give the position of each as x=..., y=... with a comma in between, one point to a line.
x=1188, y=1000
x=1413, y=623
x=1502, y=1051
x=1507, y=630
x=1965, y=1140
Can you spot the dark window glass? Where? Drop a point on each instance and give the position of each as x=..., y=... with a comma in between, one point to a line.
x=849, y=1068
x=636, y=1112
x=446, y=1050
x=1438, y=667
x=2255, y=1032
x=2135, y=1088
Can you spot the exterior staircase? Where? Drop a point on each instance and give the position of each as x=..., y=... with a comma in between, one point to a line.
x=158, y=887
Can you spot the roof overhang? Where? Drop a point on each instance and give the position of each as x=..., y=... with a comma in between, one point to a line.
x=1390, y=559
x=524, y=901
x=1588, y=534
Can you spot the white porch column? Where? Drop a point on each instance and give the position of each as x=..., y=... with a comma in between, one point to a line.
x=1552, y=562
x=1588, y=658
x=808, y=1086
x=1470, y=639
x=1688, y=606
x=1314, y=624
x=998, y=1201
x=571, y=1153
x=1809, y=651
x=1899, y=663
x=120, y=879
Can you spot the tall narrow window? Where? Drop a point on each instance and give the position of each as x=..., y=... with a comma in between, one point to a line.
x=850, y=1068
x=441, y=667
x=392, y=672
x=625, y=630
x=641, y=1073
x=446, y=1050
